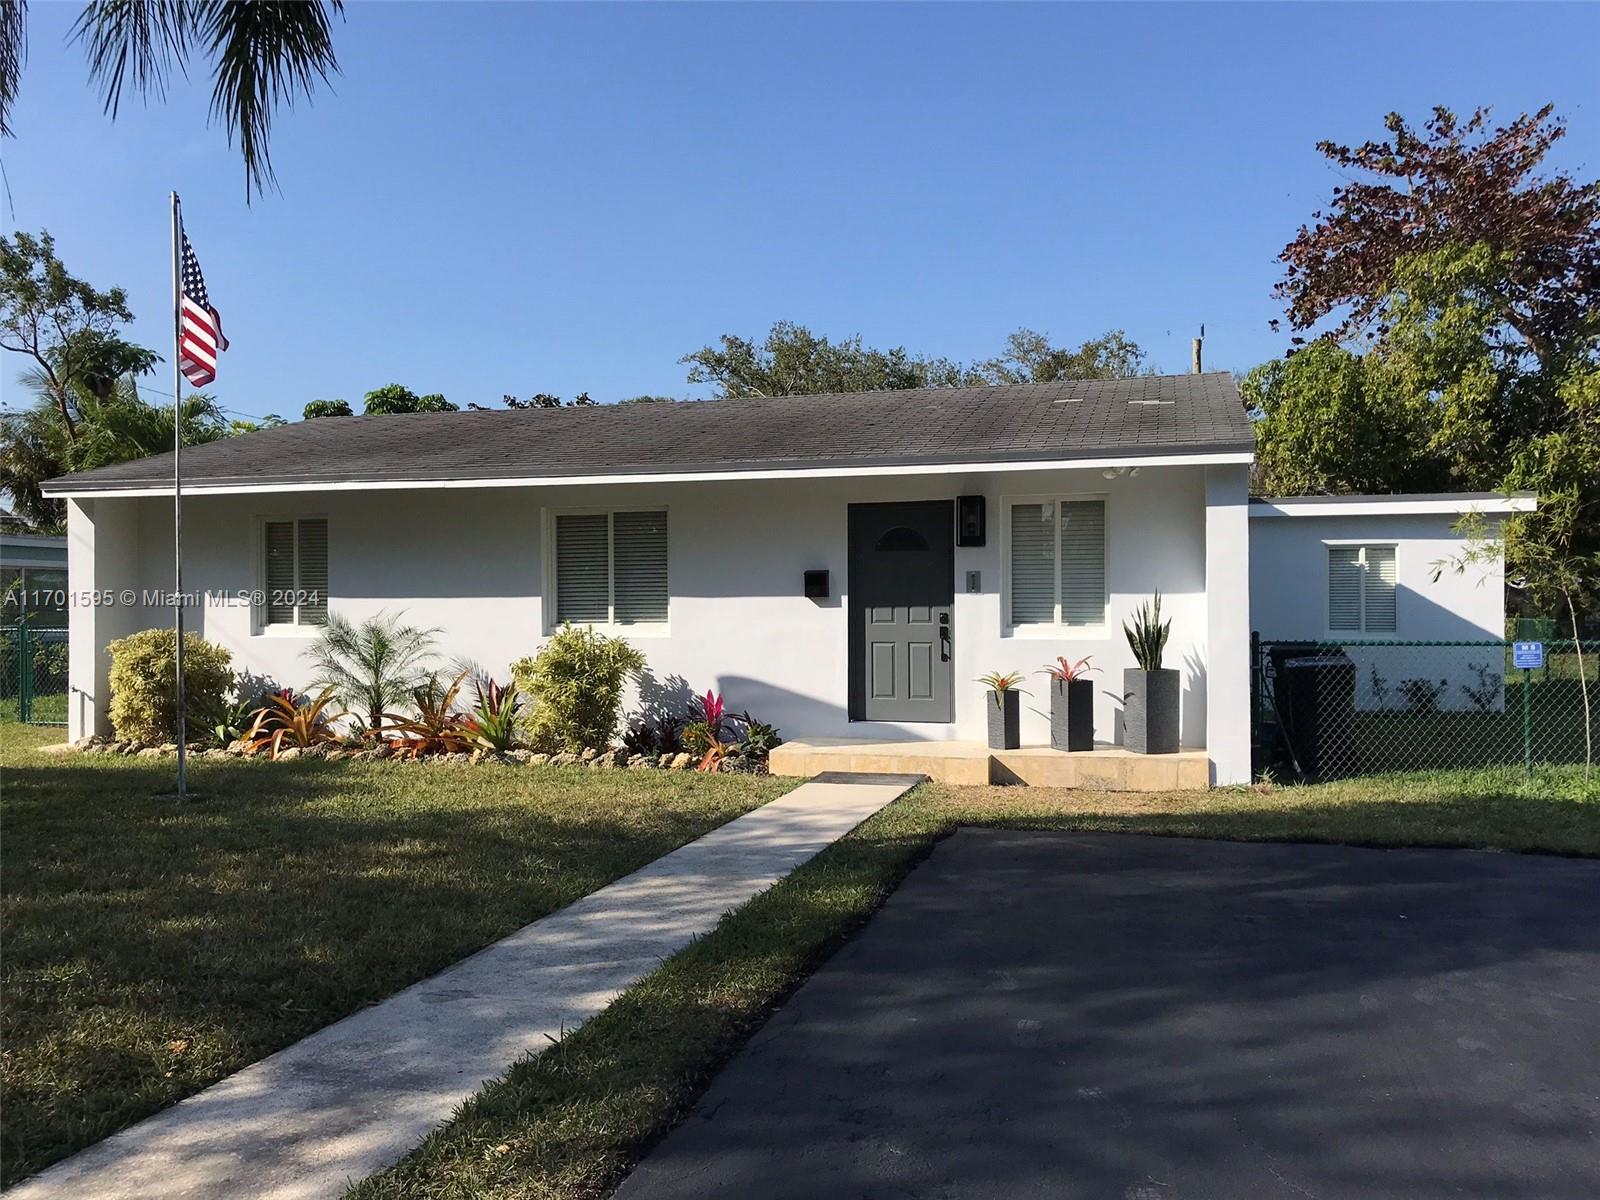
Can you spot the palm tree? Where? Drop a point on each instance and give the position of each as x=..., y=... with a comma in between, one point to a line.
x=262, y=55
x=374, y=666
x=112, y=427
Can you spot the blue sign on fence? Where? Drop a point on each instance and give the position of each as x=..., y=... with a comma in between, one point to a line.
x=1528, y=656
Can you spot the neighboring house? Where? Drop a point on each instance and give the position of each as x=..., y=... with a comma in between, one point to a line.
x=689, y=528
x=842, y=565
x=1362, y=569
x=33, y=576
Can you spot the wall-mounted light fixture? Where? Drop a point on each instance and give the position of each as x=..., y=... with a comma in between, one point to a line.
x=816, y=585
x=971, y=522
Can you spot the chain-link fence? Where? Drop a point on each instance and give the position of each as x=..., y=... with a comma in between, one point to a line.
x=1330, y=709
x=33, y=674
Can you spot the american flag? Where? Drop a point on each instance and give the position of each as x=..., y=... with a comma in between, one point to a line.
x=201, y=327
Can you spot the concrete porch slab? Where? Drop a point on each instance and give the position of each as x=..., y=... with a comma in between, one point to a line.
x=1105, y=768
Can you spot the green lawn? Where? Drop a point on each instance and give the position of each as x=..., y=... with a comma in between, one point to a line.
x=568, y=1124
x=151, y=949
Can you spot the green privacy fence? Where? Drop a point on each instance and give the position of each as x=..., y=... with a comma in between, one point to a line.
x=33, y=674
x=1331, y=709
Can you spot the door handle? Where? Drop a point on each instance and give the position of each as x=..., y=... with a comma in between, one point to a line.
x=944, y=641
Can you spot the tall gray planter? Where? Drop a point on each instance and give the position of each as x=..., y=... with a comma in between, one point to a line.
x=1005, y=719
x=1071, y=714
x=1150, y=711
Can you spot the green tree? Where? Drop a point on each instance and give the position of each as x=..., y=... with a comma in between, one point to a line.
x=1029, y=357
x=34, y=446
x=538, y=400
x=327, y=408
x=793, y=361
x=1470, y=278
x=261, y=56
x=396, y=398
x=67, y=328
x=1450, y=185
x=1328, y=420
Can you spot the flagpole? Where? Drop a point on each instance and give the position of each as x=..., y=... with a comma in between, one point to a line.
x=177, y=488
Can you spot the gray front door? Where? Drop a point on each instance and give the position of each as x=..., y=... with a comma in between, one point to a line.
x=902, y=593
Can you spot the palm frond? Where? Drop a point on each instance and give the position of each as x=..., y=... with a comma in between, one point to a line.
x=137, y=39
x=264, y=54
x=13, y=55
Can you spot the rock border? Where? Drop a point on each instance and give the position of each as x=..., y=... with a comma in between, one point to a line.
x=612, y=758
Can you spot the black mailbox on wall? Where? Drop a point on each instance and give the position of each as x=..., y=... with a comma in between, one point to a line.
x=816, y=585
x=971, y=525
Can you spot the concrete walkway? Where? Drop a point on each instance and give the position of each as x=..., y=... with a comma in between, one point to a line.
x=356, y=1096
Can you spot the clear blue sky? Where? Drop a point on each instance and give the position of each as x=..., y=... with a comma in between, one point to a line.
x=509, y=197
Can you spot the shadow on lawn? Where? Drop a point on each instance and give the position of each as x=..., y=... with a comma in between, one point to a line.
x=228, y=927
x=1185, y=942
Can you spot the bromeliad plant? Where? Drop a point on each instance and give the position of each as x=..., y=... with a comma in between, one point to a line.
x=286, y=721
x=1067, y=671
x=492, y=724
x=437, y=728
x=1147, y=636
x=705, y=736
x=230, y=722
x=1001, y=684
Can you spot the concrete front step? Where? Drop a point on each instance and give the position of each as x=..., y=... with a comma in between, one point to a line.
x=1105, y=768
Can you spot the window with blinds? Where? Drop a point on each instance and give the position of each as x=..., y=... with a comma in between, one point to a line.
x=295, y=571
x=611, y=568
x=1057, y=568
x=1361, y=587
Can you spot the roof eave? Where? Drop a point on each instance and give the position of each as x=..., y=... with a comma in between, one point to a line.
x=84, y=486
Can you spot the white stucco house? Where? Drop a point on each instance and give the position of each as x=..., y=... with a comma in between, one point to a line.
x=842, y=566
x=1360, y=570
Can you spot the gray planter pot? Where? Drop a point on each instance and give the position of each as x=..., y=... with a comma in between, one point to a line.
x=1005, y=719
x=1072, y=714
x=1150, y=711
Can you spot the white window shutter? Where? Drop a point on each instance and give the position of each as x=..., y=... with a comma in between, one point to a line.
x=583, y=583
x=1380, y=583
x=1083, y=562
x=1344, y=588
x=313, y=581
x=278, y=539
x=1033, y=564
x=639, y=555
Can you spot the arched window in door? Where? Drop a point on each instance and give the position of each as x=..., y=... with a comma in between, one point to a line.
x=901, y=539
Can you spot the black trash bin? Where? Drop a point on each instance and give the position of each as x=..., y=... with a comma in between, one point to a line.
x=1316, y=694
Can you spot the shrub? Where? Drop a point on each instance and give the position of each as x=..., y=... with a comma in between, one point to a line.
x=757, y=738
x=576, y=685
x=144, y=691
x=654, y=734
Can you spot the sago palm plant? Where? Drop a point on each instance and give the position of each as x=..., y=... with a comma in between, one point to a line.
x=374, y=666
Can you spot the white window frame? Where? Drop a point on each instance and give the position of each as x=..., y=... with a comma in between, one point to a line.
x=1055, y=629
x=550, y=568
x=293, y=628
x=1363, y=634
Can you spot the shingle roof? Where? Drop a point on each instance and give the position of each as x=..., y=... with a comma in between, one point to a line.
x=1150, y=415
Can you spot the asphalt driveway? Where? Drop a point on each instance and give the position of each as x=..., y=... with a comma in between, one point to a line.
x=1082, y=1015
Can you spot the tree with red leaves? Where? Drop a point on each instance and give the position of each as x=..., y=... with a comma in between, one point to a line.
x=1454, y=184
